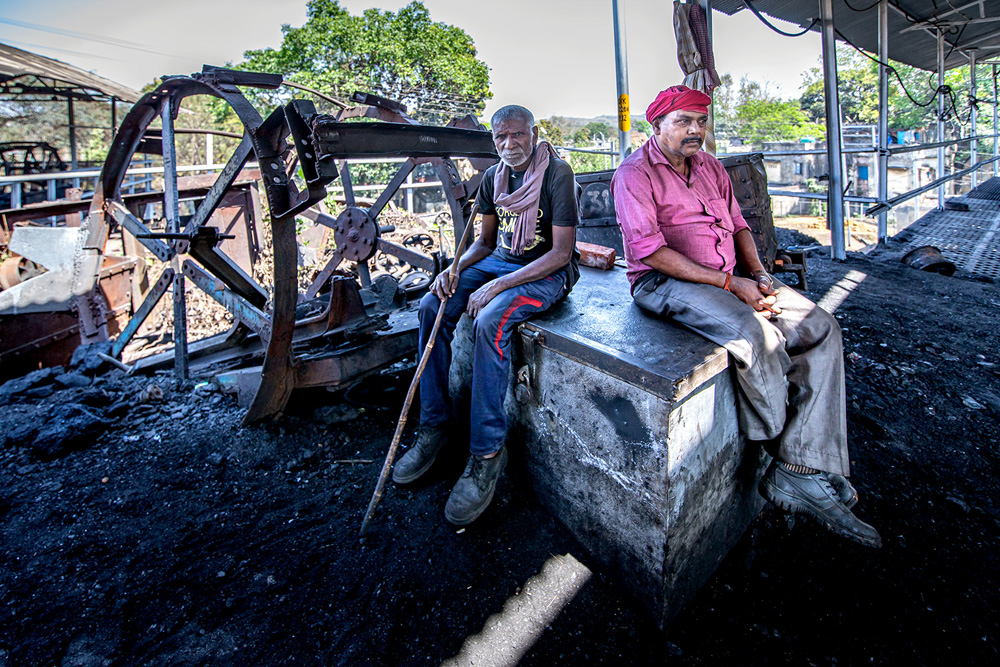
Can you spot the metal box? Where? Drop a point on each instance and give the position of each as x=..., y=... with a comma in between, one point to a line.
x=628, y=428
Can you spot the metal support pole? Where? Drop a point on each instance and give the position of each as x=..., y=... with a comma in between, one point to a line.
x=711, y=143
x=973, y=146
x=621, y=75
x=883, y=116
x=996, y=152
x=172, y=215
x=114, y=117
x=835, y=193
x=72, y=133
x=940, y=111
x=409, y=193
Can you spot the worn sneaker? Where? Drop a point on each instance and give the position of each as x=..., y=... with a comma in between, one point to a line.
x=814, y=496
x=421, y=456
x=845, y=490
x=474, y=490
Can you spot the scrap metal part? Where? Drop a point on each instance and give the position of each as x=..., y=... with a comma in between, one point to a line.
x=299, y=153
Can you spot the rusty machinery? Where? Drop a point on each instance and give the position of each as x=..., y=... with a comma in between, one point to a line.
x=339, y=330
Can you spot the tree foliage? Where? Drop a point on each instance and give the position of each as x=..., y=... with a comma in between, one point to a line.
x=550, y=132
x=755, y=114
x=431, y=67
x=594, y=131
x=857, y=77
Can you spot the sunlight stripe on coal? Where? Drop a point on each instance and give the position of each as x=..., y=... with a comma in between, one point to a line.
x=838, y=293
x=507, y=636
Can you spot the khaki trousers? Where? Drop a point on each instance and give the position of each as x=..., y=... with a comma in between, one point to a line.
x=790, y=368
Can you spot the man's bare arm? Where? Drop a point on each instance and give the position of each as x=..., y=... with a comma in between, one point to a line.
x=563, y=242
x=671, y=263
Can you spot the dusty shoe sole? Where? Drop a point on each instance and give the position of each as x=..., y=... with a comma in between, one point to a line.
x=788, y=503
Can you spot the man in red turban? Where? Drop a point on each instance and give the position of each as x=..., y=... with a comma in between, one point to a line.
x=692, y=258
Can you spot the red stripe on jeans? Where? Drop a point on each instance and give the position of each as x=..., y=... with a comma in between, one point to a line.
x=514, y=305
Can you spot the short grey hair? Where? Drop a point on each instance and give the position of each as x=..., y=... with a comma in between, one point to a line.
x=511, y=112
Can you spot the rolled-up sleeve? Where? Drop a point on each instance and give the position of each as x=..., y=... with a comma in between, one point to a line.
x=636, y=211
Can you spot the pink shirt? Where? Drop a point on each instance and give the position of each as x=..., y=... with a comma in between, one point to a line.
x=656, y=207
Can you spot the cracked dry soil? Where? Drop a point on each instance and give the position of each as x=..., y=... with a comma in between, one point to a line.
x=165, y=534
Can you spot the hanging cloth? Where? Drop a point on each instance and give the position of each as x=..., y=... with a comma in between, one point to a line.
x=694, y=55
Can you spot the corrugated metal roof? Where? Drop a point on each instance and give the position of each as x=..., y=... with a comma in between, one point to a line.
x=17, y=68
x=909, y=40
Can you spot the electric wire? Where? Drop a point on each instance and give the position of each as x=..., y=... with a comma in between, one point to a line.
x=951, y=110
x=775, y=29
x=855, y=9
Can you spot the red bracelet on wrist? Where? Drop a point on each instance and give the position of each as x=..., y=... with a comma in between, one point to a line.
x=729, y=278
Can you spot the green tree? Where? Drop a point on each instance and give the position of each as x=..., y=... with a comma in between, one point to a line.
x=755, y=114
x=593, y=131
x=857, y=77
x=583, y=163
x=550, y=132
x=431, y=67
x=763, y=120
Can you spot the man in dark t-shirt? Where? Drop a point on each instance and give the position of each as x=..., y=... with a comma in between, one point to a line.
x=523, y=261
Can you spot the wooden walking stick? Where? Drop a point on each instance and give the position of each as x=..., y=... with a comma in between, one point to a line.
x=391, y=456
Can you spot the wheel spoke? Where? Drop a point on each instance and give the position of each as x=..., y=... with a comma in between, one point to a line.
x=172, y=215
x=153, y=297
x=345, y=178
x=390, y=190
x=221, y=185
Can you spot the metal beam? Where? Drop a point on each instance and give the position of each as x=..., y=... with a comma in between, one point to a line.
x=172, y=214
x=940, y=118
x=895, y=201
x=341, y=141
x=973, y=115
x=835, y=195
x=71, y=117
x=707, y=6
x=621, y=80
x=883, y=116
x=996, y=102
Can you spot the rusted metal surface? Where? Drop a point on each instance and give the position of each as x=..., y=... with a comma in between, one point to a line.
x=929, y=258
x=15, y=270
x=340, y=334
x=339, y=330
x=47, y=338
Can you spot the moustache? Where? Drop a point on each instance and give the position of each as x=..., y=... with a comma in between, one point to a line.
x=692, y=141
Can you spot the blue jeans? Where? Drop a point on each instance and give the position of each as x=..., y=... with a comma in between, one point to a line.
x=492, y=331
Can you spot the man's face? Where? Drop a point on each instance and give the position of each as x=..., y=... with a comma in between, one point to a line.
x=680, y=133
x=514, y=140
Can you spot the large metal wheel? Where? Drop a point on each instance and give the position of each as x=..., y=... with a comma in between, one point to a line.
x=194, y=250
x=213, y=271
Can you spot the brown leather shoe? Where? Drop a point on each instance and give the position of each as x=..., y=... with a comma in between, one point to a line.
x=813, y=495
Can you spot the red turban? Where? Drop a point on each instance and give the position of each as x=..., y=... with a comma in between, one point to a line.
x=678, y=97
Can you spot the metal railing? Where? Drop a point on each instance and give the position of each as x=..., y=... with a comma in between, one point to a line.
x=51, y=180
x=886, y=205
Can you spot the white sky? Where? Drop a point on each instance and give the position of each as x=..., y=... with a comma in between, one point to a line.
x=556, y=58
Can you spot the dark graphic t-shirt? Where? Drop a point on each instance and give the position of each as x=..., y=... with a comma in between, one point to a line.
x=557, y=206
